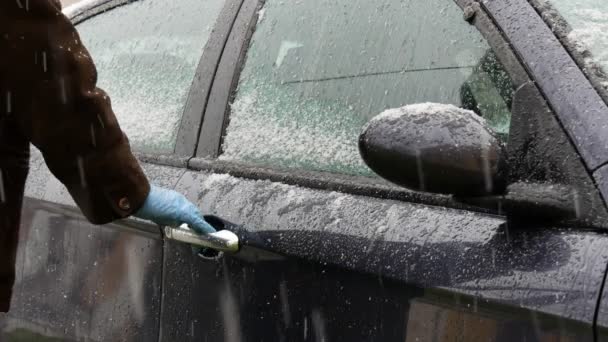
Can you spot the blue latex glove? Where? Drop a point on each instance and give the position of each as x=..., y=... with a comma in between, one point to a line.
x=169, y=208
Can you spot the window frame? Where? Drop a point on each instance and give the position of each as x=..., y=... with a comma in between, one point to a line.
x=577, y=105
x=217, y=117
x=574, y=100
x=198, y=90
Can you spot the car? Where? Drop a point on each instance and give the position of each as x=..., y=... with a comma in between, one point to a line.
x=255, y=111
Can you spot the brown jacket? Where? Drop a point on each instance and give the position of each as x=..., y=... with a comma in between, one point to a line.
x=48, y=97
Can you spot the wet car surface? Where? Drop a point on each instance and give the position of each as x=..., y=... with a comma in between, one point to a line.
x=331, y=251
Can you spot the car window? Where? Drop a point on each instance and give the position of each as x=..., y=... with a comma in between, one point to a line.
x=146, y=53
x=589, y=22
x=316, y=71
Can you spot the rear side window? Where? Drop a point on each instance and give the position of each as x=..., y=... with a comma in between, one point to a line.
x=318, y=70
x=146, y=54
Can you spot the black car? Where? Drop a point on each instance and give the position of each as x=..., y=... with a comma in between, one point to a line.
x=254, y=110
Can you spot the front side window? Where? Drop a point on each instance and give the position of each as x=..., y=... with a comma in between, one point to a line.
x=318, y=70
x=146, y=54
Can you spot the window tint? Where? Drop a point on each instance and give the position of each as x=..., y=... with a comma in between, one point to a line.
x=318, y=70
x=146, y=53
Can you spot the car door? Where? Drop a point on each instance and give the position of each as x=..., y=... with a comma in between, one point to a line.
x=579, y=27
x=77, y=281
x=333, y=253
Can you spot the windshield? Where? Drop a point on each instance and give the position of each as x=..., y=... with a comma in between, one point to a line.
x=588, y=20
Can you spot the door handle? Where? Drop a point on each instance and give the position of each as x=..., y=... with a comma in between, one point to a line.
x=223, y=240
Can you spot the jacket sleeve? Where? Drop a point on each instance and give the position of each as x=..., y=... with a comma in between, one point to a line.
x=68, y=118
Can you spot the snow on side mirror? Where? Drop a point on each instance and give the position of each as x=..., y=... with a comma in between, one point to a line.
x=436, y=148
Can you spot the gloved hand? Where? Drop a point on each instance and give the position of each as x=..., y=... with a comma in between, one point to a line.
x=169, y=208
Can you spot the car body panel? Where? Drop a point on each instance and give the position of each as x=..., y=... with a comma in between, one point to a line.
x=263, y=297
x=83, y=10
x=463, y=257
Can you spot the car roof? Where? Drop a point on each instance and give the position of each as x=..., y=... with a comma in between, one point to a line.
x=84, y=9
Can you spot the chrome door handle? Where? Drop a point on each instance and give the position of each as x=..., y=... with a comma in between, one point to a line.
x=223, y=240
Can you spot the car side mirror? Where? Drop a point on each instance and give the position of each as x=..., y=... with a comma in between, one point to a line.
x=436, y=148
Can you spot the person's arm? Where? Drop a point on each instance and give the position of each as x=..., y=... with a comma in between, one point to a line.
x=60, y=109
x=68, y=118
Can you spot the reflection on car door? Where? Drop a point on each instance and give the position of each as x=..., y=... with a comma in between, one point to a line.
x=78, y=281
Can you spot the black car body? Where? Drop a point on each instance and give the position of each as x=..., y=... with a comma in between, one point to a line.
x=336, y=253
